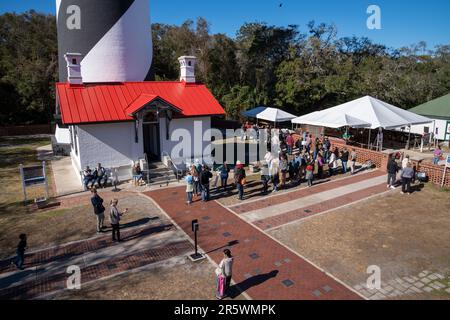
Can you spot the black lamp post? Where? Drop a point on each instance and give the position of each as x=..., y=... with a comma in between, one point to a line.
x=196, y=256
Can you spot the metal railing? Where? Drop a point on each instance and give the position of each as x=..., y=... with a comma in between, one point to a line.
x=177, y=171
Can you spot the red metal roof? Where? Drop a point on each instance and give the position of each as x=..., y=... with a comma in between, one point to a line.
x=91, y=103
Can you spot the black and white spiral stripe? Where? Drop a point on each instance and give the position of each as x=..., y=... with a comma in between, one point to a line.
x=114, y=37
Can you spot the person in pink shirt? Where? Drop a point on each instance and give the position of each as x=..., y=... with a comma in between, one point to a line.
x=437, y=155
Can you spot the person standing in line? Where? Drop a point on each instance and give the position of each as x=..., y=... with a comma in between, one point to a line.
x=352, y=161
x=239, y=179
x=196, y=180
x=225, y=269
x=189, y=187
x=224, y=173
x=99, y=209
x=20, y=251
x=332, y=162
x=114, y=218
x=326, y=149
x=289, y=143
x=344, y=159
x=320, y=164
x=392, y=169
x=437, y=155
x=407, y=176
x=283, y=170
x=275, y=173
x=265, y=177
x=205, y=175
x=310, y=173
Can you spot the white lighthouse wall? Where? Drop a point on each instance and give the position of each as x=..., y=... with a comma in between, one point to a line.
x=125, y=51
x=198, y=140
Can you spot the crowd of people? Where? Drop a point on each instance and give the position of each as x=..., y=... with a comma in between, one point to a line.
x=299, y=159
x=404, y=170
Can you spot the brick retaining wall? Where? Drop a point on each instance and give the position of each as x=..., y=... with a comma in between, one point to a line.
x=379, y=159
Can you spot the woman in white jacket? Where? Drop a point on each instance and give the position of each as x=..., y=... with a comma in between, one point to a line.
x=225, y=269
x=332, y=162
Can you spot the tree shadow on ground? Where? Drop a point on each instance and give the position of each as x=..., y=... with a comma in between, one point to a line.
x=243, y=286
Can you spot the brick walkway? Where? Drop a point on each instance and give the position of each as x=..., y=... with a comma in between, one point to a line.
x=308, y=211
x=263, y=268
x=45, y=270
x=77, y=248
x=44, y=285
x=303, y=192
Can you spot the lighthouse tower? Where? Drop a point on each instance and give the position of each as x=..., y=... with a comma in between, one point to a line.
x=113, y=38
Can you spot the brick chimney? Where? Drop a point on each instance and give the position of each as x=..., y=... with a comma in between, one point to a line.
x=73, y=61
x=187, y=68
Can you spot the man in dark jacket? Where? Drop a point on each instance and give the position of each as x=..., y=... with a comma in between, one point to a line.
x=344, y=159
x=205, y=175
x=99, y=209
x=239, y=177
x=392, y=169
x=21, y=247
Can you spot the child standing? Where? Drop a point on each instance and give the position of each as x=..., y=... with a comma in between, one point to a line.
x=310, y=174
x=21, y=247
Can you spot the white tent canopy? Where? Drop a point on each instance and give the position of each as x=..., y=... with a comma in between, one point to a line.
x=377, y=113
x=331, y=120
x=275, y=115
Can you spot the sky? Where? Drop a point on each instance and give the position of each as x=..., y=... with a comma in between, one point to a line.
x=403, y=22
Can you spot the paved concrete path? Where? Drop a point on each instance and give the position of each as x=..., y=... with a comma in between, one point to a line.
x=66, y=179
x=263, y=268
x=46, y=270
x=303, y=203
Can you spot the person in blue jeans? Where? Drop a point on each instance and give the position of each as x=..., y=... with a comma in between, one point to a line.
x=344, y=159
x=189, y=187
x=224, y=173
x=88, y=177
x=205, y=175
x=239, y=176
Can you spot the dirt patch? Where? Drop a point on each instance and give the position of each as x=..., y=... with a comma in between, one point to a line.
x=74, y=221
x=177, y=279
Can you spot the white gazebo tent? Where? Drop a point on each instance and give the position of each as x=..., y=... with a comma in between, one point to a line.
x=331, y=120
x=269, y=114
x=379, y=114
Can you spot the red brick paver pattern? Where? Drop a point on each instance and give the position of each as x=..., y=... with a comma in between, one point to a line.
x=285, y=197
x=67, y=251
x=43, y=285
x=263, y=268
x=318, y=208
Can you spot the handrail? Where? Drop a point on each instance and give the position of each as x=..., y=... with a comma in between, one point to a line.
x=178, y=172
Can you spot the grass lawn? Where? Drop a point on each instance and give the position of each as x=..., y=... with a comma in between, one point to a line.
x=73, y=220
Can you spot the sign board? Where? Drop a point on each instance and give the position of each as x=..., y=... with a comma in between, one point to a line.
x=447, y=133
x=447, y=165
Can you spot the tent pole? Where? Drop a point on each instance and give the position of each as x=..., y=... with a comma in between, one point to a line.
x=368, y=143
x=409, y=137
